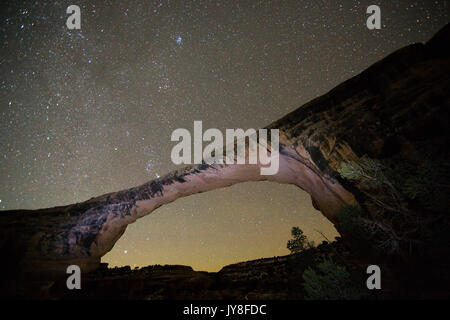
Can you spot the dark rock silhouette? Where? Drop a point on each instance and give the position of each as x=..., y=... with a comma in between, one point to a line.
x=268, y=278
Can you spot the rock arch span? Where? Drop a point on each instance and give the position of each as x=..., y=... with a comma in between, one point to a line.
x=82, y=233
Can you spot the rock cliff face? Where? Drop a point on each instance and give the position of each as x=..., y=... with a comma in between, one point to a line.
x=395, y=111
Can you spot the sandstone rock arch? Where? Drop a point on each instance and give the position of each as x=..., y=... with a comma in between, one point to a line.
x=82, y=233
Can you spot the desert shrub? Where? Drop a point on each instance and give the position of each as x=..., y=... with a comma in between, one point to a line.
x=330, y=282
x=428, y=185
x=391, y=188
x=364, y=232
x=368, y=171
x=376, y=181
x=392, y=224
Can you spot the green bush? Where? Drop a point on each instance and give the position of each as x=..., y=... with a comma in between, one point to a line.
x=369, y=172
x=365, y=233
x=330, y=282
x=390, y=221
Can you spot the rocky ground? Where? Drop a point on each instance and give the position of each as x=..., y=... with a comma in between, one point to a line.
x=275, y=278
x=268, y=278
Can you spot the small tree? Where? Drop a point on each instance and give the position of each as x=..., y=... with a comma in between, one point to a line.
x=299, y=241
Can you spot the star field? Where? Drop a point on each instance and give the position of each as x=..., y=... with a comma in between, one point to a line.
x=90, y=111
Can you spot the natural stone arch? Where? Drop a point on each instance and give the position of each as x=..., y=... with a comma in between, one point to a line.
x=208, y=231
x=205, y=202
x=82, y=233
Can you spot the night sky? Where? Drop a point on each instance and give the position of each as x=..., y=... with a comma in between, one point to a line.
x=87, y=112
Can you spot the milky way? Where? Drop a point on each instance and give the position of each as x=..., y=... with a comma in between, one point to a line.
x=87, y=112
